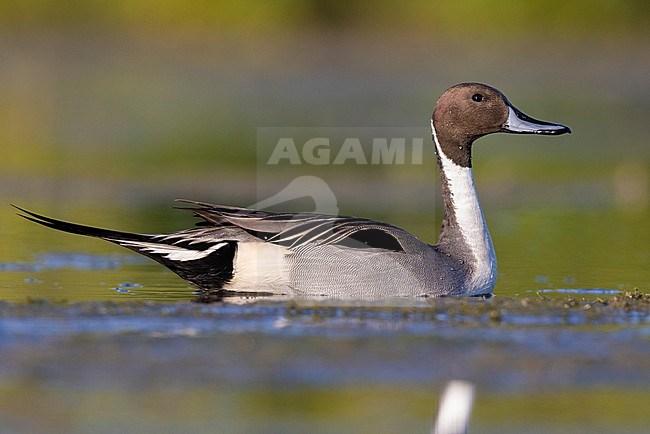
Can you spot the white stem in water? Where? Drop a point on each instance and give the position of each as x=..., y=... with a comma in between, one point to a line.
x=455, y=408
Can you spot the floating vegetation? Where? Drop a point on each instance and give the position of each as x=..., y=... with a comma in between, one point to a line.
x=632, y=307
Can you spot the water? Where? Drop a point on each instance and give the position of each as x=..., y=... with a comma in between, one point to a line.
x=90, y=330
x=289, y=366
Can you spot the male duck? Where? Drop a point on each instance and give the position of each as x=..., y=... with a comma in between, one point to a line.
x=304, y=254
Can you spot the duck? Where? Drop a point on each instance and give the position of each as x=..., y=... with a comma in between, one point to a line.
x=235, y=250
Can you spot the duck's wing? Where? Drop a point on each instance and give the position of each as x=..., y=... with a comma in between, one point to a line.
x=304, y=230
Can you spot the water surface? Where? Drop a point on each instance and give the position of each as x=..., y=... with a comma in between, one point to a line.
x=537, y=250
x=90, y=330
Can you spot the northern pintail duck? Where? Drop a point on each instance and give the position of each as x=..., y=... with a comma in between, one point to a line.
x=304, y=254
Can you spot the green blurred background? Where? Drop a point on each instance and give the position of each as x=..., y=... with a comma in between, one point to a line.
x=109, y=110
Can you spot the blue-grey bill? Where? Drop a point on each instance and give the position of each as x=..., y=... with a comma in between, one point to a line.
x=521, y=123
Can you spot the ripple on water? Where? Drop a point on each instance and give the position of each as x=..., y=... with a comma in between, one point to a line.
x=80, y=261
x=582, y=291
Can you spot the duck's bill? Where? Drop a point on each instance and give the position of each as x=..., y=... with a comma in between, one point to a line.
x=521, y=123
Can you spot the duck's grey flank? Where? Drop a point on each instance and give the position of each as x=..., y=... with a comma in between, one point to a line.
x=304, y=254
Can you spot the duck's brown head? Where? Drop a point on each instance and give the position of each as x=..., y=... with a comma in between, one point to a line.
x=468, y=111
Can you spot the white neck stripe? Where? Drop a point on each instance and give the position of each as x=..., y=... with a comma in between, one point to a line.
x=471, y=223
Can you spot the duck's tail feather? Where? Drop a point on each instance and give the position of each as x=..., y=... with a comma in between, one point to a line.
x=204, y=262
x=73, y=228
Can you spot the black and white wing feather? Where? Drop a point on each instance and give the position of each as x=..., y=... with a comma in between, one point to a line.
x=298, y=231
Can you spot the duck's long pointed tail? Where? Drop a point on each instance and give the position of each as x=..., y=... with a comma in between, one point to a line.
x=73, y=228
x=207, y=263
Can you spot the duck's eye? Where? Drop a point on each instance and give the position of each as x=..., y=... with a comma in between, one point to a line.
x=477, y=97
